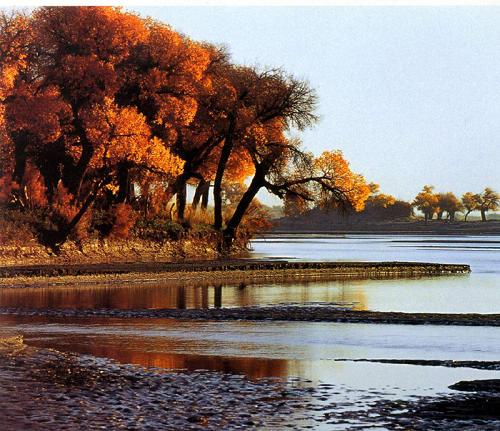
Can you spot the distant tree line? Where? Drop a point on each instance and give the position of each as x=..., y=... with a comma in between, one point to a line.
x=385, y=207
x=377, y=207
x=448, y=205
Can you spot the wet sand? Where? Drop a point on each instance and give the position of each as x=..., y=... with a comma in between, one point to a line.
x=44, y=388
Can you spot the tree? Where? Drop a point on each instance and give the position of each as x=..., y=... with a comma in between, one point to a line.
x=64, y=117
x=15, y=38
x=262, y=99
x=172, y=81
x=97, y=103
x=381, y=206
x=285, y=170
x=470, y=202
x=449, y=203
x=489, y=200
x=294, y=205
x=426, y=202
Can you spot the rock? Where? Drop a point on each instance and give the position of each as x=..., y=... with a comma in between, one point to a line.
x=492, y=385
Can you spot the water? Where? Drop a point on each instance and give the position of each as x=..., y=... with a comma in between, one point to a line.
x=309, y=350
x=277, y=349
x=482, y=253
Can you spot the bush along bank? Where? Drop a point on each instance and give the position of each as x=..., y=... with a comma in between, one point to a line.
x=132, y=239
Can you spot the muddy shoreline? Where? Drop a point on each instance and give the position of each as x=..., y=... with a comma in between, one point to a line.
x=222, y=270
x=45, y=388
x=272, y=313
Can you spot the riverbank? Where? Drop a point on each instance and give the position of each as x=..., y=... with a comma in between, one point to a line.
x=217, y=270
x=274, y=313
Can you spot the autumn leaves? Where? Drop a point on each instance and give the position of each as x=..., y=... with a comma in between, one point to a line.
x=430, y=203
x=100, y=108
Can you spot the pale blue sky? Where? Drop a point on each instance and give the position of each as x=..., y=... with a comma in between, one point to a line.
x=410, y=94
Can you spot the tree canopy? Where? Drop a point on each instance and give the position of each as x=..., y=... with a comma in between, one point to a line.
x=102, y=110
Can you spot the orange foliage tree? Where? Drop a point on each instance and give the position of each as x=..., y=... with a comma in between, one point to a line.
x=64, y=113
x=427, y=202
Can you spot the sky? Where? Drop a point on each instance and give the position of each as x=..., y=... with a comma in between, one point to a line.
x=411, y=95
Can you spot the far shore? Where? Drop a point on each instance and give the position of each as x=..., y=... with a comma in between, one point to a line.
x=416, y=227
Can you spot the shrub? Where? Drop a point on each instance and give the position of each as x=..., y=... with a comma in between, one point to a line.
x=124, y=221
x=159, y=230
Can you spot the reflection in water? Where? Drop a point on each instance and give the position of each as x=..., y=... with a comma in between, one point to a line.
x=276, y=349
x=181, y=295
x=141, y=352
x=451, y=294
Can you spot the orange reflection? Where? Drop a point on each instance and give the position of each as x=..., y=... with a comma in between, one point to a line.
x=151, y=353
x=179, y=294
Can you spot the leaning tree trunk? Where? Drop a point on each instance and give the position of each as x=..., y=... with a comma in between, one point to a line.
x=229, y=234
x=74, y=175
x=54, y=239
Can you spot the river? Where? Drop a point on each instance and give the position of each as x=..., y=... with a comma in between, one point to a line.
x=314, y=351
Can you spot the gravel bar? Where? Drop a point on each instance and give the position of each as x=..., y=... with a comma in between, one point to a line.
x=280, y=313
x=228, y=266
x=43, y=389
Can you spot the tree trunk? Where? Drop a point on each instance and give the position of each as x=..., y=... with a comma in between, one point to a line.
x=221, y=168
x=229, y=233
x=20, y=145
x=55, y=239
x=75, y=174
x=452, y=216
x=204, y=197
x=123, y=184
x=201, y=190
x=440, y=215
x=181, y=199
x=466, y=215
x=426, y=217
x=483, y=215
x=177, y=188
